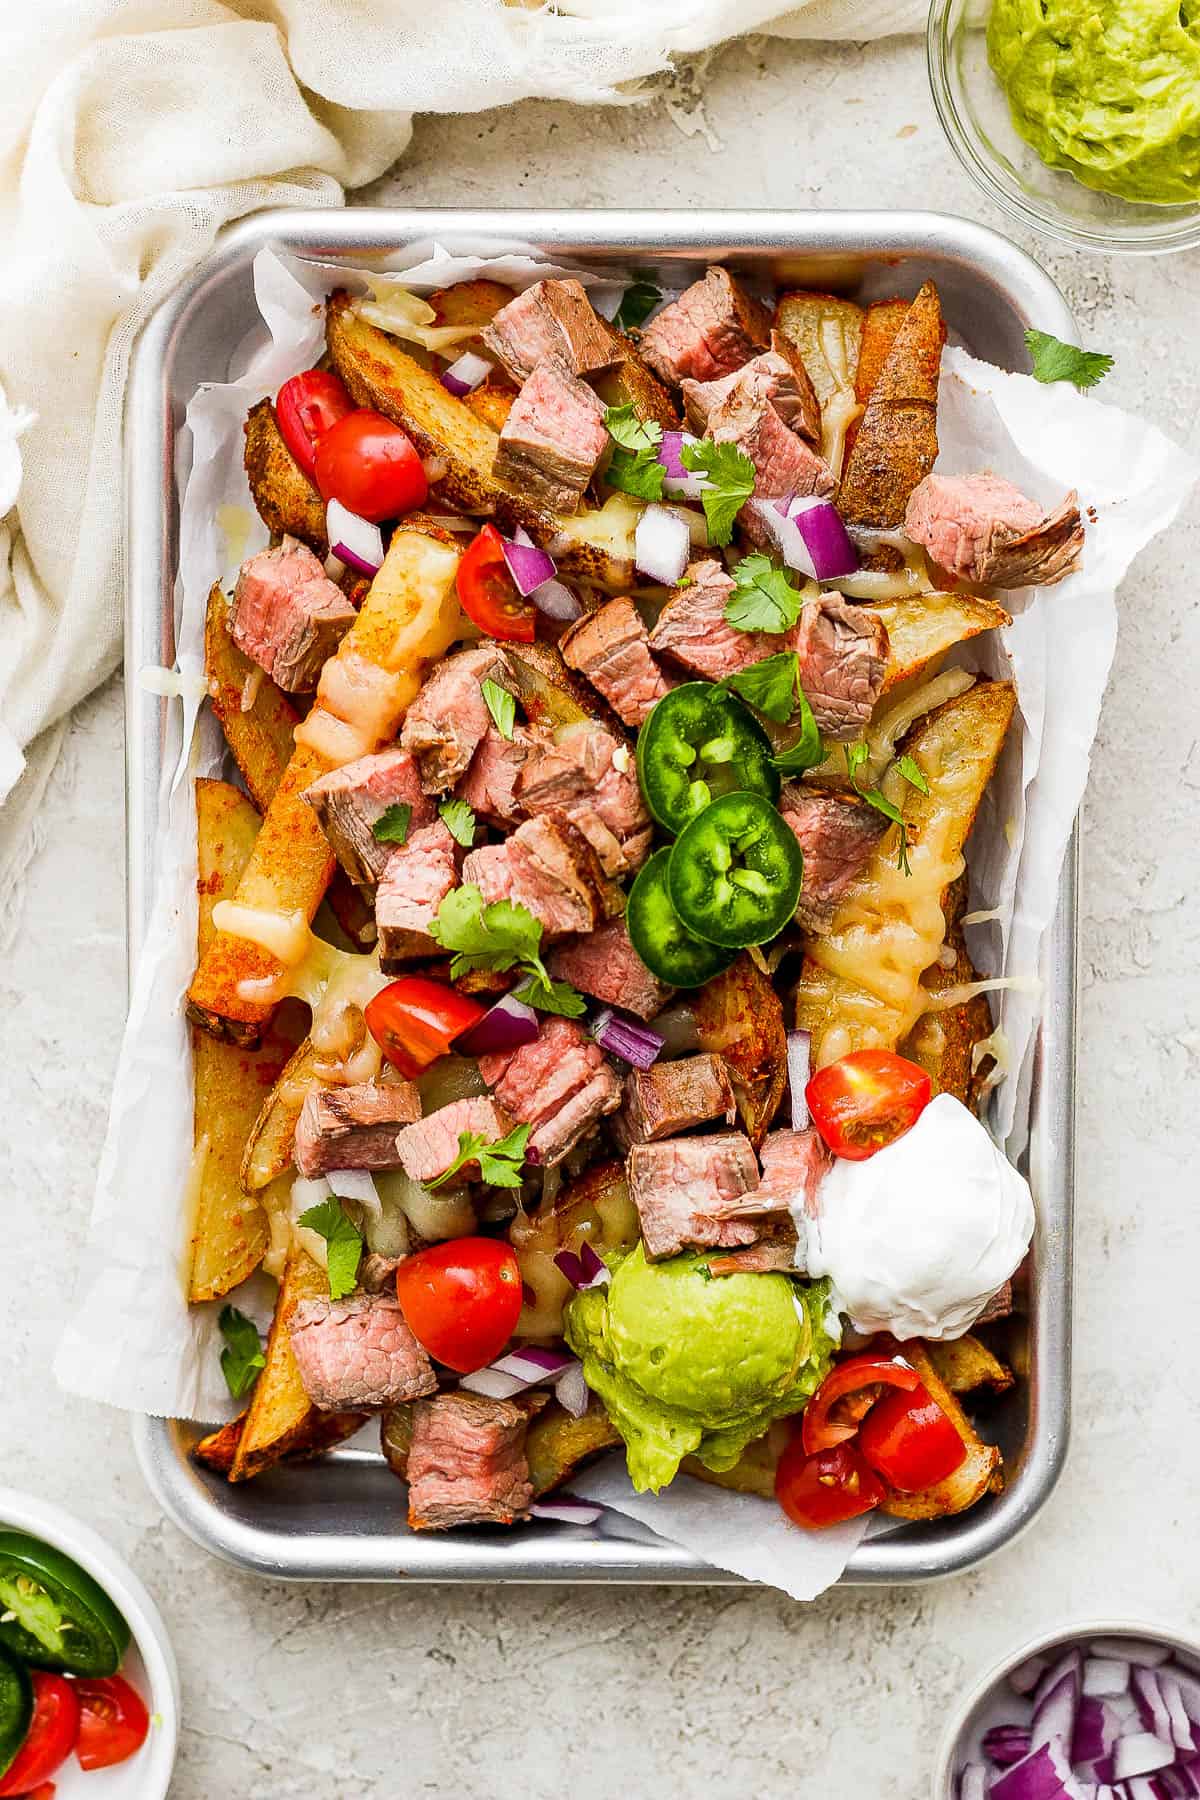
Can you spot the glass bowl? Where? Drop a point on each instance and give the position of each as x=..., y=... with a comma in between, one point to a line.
x=973, y=110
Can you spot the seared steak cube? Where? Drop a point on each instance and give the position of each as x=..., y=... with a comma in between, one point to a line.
x=777, y=375
x=447, y=721
x=837, y=833
x=552, y=439
x=604, y=964
x=580, y=775
x=982, y=528
x=416, y=879
x=691, y=628
x=349, y=803
x=353, y=1127
x=784, y=465
x=694, y=1191
x=561, y=1085
x=711, y=330
x=793, y=1165
x=843, y=658
x=548, y=867
x=552, y=321
x=466, y=1463
x=672, y=1097
x=358, y=1353
x=489, y=785
x=773, y=1252
x=427, y=1149
x=287, y=615
x=611, y=647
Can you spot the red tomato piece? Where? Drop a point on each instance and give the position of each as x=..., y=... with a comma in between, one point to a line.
x=415, y=1020
x=825, y=1489
x=113, y=1721
x=305, y=408
x=847, y=1394
x=371, y=466
x=866, y=1100
x=462, y=1300
x=488, y=594
x=51, y=1735
x=910, y=1441
x=46, y=1791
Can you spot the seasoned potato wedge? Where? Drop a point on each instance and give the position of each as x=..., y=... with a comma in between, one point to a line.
x=557, y=1445
x=267, y=1150
x=260, y=736
x=754, y=1470
x=740, y=1017
x=631, y=383
x=280, y=1415
x=881, y=322
x=395, y=1437
x=980, y=1474
x=923, y=627
x=554, y=695
x=323, y=1431
x=597, y=1210
x=943, y=1042
x=286, y=499
x=860, y=986
x=966, y=1365
x=896, y=445
x=470, y=303
x=827, y=333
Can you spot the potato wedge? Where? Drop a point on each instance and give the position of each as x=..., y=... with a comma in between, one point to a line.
x=286, y=499
x=259, y=736
x=923, y=627
x=280, y=1415
x=267, y=1152
x=557, y=1445
x=881, y=322
x=826, y=331
x=554, y=695
x=980, y=1474
x=597, y=1210
x=740, y=1017
x=322, y=1432
x=754, y=1470
x=860, y=986
x=896, y=445
x=966, y=1365
x=470, y=303
x=631, y=383
x=943, y=1042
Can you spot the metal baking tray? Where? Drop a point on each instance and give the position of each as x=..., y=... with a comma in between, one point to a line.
x=343, y=1520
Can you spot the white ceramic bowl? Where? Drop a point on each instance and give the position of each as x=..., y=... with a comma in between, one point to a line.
x=966, y=1717
x=149, y=1661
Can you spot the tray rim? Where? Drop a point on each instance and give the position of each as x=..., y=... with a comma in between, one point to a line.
x=556, y=1553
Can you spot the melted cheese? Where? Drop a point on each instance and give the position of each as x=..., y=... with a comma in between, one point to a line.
x=172, y=684
x=284, y=935
x=893, y=722
x=836, y=420
x=335, y=985
x=336, y=740
x=250, y=688
x=355, y=690
x=962, y=991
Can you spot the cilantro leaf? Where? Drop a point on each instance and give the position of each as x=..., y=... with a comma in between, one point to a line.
x=637, y=303
x=807, y=750
x=730, y=483
x=631, y=433
x=912, y=773
x=500, y=1163
x=641, y=475
x=328, y=1220
x=1055, y=361
x=243, y=1356
x=551, y=996
x=459, y=821
x=495, y=936
x=501, y=705
x=763, y=598
x=855, y=755
x=769, y=686
x=391, y=827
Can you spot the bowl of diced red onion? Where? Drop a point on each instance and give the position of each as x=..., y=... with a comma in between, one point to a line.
x=1097, y=1712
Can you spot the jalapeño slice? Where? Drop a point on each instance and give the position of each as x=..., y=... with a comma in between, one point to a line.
x=16, y=1708
x=734, y=875
x=52, y=1614
x=664, y=944
x=698, y=743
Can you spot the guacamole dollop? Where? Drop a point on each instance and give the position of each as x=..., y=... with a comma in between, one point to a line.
x=1110, y=93
x=687, y=1363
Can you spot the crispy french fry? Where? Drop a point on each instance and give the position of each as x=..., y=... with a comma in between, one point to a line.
x=322, y=1432
x=280, y=1415
x=896, y=445
x=287, y=501
x=923, y=627
x=881, y=322
x=260, y=735
x=739, y=1016
x=556, y=1445
x=979, y=1474
x=268, y=1146
x=754, y=1470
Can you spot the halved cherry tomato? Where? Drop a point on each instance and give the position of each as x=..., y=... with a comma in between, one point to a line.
x=824, y=1489
x=866, y=1100
x=46, y=1791
x=51, y=1735
x=461, y=1299
x=852, y=1387
x=370, y=465
x=113, y=1721
x=488, y=594
x=305, y=408
x=415, y=1020
x=911, y=1441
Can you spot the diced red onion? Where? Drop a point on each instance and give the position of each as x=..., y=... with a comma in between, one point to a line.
x=1150, y=1703
x=583, y=1268
x=465, y=375
x=1044, y=1775
x=1006, y=1744
x=1104, y=1677
x=528, y=564
x=357, y=542
x=628, y=1039
x=355, y=1184
x=785, y=535
x=1097, y=1728
x=1182, y=1782
x=436, y=469
x=514, y=1373
x=572, y=1391
x=973, y=1782
x=679, y=482
x=1134, y=1650
x=504, y=1026
x=557, y=602
x=1025, y=1677
x=799, y=1062
x=825, y=537
x=1183, y=1729
x=1142, y=1753
x=1188, y=1684
x=1054, y=1710
x=662, y=545
x=567, y=1510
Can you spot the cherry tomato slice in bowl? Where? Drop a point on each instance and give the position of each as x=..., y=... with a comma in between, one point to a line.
x=305, y=409
x=847, y=1394
x=462, y=1300
x=113, y=1722
x=910, y=1441
x=488, y=594
x=51, y=1735
x=371, y=466
x=825, y=1489
x=415, y=1020
x=865, y=1101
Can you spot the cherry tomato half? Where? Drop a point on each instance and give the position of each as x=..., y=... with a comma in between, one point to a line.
x=305, y=409
x=847, y=1394
x=461, y=1299
x=865, y=1101
x=824, y=1489
x=910, y=1441
x=370, y=465
x=488, y=594
x=415, y=1020
x=51, y=1735
x=113, y=1721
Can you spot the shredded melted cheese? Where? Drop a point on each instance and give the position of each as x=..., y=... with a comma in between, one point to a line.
x=403, y=314
x=284, y=935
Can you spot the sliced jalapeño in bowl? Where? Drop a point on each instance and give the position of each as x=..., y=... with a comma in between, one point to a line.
x=52, y=1614
x=701, y=742
x=734, y=874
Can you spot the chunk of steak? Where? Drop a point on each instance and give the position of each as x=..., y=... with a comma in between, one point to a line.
x=287, y=615
x=466, y=1463
x=353, y=1127
x=416, y=879
x=693, y=1191
x=784, y=465
x=837, y=833
x=711, y=330
x=672, y=1097
x=427, y=1149
x=611, y=648
x=982, y=528
x=349, y=802
x=561, y=1085
x=843, y=657
x=604, y=964
x=691, y=628
x=489, y=785
x=777, y=375
x=358, y=1353
x=552, y=439
x=377, y=1274
x=794, y=1164
x=577, y=775
x=773, y=1253
x=552, y=321
x=447, y=721
x=548, y=867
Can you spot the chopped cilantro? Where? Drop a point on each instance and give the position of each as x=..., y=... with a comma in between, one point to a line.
x=328, y=1219
x=763, y=598
x=551, y=996
x=637, y=303
x=807, y=750
x=769, y=686
x=243, y=1356
x=459, y=821
x=1055, y=361
x=730, y=483
x=501, y=705
x=856, y=755
x=911, y=772
x=391, y=827
x=500, y=1163
x=504, y=935
x=634, y=466
x=631, y=433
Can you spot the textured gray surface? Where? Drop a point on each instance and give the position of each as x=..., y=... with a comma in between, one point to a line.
x=373, y=1692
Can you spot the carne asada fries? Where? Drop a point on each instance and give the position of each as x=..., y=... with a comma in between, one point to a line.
x=599, y=838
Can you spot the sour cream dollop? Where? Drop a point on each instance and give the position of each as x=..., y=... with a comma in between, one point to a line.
x=917, y=1238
